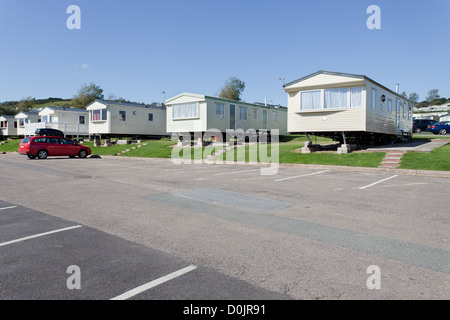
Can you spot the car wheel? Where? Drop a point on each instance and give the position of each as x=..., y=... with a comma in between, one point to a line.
x=42, y=154
x=83, y=154
x=443, y=132
x=30, y=156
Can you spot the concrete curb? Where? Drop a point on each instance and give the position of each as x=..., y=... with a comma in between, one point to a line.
x=405, y=172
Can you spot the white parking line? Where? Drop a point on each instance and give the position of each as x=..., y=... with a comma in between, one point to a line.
x=370, y=185
x=37, y=235
x=154, y=283
x=6, y=208
x=304, y=175
x=235, y=172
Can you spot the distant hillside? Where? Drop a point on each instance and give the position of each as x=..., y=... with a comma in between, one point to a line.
x=14, y=107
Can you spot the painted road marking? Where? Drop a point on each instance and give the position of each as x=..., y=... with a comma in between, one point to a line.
x=304, y=175
x=235, y=172
x=38, y=235
x=375, y=183
x=154, y=283
x=6, y=208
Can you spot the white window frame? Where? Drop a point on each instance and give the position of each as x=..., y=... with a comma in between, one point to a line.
x=351, y=97
x=321, y=107
x=303, y=108
x=153, y=117
x=390, y=105
x=102, y=112
x=185, y=116
x=274, y=116
x=335, y=90
x=255, y=113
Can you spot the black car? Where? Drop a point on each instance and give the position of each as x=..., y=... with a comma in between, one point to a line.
x=420, y=125
x=48, y=132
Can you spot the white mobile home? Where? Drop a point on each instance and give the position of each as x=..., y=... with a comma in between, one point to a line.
x=71, y=121
x=24, y=118
x=342, y=105
x=193, y=113
x=111, y=118
x=8, y=126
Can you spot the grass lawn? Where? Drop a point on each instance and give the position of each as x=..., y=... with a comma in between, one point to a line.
x=438, y=159
x=287, y=154
x=10, y=145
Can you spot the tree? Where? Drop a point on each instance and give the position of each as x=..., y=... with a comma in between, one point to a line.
x=432, y=95
x=404, y=95
x=414, y=97
x=87, y=94
x=232, y=89
x=26, y=104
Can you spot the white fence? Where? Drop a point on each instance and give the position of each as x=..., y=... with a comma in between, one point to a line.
x=71, y=129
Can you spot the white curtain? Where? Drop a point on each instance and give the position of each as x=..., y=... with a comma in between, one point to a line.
x=356, y=97
x=185, y=110
x=335, y=98
x=310, y=100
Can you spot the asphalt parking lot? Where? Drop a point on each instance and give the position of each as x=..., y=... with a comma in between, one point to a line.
x=232, y=233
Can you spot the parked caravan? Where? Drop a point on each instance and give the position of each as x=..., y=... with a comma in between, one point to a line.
x=195, y=113
x=111, y=118
x=347, y=107
x=8, y=126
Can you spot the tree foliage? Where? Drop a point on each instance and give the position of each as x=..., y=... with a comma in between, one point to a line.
x=26, y=104
x=87, y=94
x=432, y=95
x=232, y=89
x=414, y=97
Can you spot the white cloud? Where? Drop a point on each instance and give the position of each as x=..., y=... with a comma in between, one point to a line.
x=84, y=66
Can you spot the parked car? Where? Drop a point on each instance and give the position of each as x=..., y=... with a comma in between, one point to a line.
x=48, y=132
x=440, y=128
x=43, y=147
x=420, y=125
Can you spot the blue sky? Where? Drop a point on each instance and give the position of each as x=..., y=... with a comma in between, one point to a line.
x=137, y=49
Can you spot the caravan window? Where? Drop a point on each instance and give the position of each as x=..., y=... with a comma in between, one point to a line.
x=185, y=110
x=356, y=97
x=98, y=115
x=335, y=98
x=390, y=105
x=122, y=116
x=310, y=100
x=242, y=113
x=274, y=114
x=220, y=110
x=374, y=98
x=255, y=114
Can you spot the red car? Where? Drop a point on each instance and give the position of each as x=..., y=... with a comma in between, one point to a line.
x=43, y=147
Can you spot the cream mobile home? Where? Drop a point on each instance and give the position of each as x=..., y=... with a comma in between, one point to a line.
x=347, y=107
x=194, y=113
x=111, y=118
x=8, y=126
